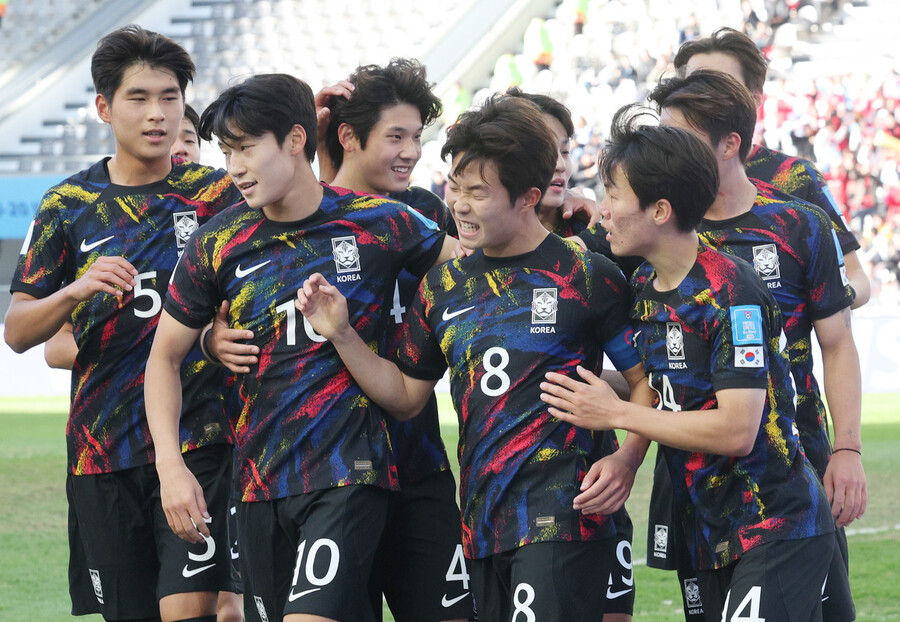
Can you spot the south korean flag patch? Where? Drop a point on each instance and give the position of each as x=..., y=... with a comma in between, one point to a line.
x=747, y=336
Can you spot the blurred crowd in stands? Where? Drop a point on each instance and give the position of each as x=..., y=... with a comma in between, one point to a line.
x=597, y=56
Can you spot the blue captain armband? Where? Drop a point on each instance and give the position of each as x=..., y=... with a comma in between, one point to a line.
x=621, y=350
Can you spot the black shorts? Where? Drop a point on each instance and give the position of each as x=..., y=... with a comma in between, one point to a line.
x=620, y=585
x=837, y=602
x=781, y=580
x=123, y=557
x=420, y=567
x=234, y=551
x=543, y=581
x=311, y=553
x=662, y=527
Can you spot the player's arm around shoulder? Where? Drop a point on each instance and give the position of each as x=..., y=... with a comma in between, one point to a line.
x=323, y=305
x=845, y=479
x=181, y=495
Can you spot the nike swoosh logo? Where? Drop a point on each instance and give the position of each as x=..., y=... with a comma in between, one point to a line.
x=188, y=573
x=449, y=316
x=239, y=273
x=292, y=597
x=449, y=602
x=610, y=594
x=85, y=247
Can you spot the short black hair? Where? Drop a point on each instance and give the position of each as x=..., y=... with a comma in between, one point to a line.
x=713, y=102
x=734, y=43
x=191, y=115
x=661, y=163
x=131, y=44
x=401, y=81
x=268, y=102
x=547, y=105
x=509, y=133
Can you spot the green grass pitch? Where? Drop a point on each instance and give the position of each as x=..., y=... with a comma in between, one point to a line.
x=34, y=552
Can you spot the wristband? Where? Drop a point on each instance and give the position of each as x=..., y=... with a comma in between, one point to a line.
x=856, y=451
x=204, y=348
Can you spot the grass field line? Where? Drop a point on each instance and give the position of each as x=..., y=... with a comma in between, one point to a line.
x=865, y=531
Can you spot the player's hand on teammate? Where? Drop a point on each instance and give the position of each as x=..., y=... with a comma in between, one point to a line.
x=845, y=485
x=583, y=208
x=323, y=119
x=323, y=305
x=108, y=275
x=590, y=404
x=606, y=486
x=461, y=251
x=183, y=502
x=226, y=344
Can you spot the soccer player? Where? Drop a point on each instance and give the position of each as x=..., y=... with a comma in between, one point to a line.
x=754, y=515
x=187, y=145
x=523, y=302
x=315, y=466
x=620, y=586
x=100, y=253
x=792, y=247
x=61, y=349
x=732, y=52
x=372, y=141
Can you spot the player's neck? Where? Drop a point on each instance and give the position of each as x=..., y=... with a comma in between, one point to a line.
x=550, y=216
x=301, y=201
x=351, y=178
x=736, y=195
x=126, y=170
x=527, y=238
x=673, y=258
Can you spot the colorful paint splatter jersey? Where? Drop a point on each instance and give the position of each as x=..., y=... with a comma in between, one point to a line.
x=303, y=424
x=417, y=442
x=800, y=178
x=719, y=330
x=80, y=220
x=795, y=251
x=500, y=324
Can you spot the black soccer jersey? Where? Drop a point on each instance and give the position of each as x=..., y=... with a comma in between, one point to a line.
x=417, y=442
x=500, y=324
x=86, y=217
x=799, y=178
x=795, y=251
x=718, y=330
x=302, y=423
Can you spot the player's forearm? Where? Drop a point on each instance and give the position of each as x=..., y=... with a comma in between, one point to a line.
x=859, y=281
x=31, y=321
x=162, y=398
x=633, y=449
x=843, y=390
x=60, y=350
x=379, y=378
x=717, y=431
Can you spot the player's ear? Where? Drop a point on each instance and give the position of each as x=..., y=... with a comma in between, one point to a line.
x=102, y=108
x=531, y=198
x=661, y=212
x=297, y=137
x=731, y=146
x=348, y=138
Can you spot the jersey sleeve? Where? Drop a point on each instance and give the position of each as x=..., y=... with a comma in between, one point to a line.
x=41, y=268
x=817, y=193
x=419, y=354
x=419, y=238
x=613, y=302
x=829, y=290
x=192, y=297
x=740, y=341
